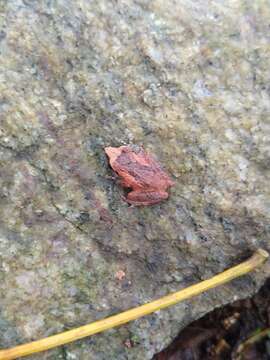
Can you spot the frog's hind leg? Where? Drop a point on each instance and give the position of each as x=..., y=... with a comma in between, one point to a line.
x=144, y=198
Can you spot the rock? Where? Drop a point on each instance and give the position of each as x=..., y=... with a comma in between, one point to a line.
x=187, y=80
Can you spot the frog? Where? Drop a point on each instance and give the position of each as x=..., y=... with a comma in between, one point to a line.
x=140, y=172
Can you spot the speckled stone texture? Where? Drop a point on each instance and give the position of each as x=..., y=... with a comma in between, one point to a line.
x=188, y=80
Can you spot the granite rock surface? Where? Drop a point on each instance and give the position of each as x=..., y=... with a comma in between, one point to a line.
x=188, y=80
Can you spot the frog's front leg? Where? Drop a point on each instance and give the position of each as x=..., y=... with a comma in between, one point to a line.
x=139, y=198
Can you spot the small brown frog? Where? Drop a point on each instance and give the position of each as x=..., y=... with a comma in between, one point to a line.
x=140, y=172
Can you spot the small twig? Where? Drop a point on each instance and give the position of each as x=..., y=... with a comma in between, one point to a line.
x=251, y=340
x=257, y=259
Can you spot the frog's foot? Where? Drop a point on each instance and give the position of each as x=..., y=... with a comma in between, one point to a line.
x=117, y=180
x=111, y=177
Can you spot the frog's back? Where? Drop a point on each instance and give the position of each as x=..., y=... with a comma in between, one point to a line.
x=137, y=168
x=145, y=170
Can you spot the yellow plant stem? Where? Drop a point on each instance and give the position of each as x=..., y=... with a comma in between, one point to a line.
x=257, y=259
